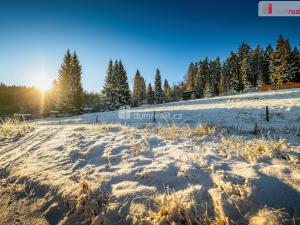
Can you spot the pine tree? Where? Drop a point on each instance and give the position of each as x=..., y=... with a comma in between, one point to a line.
x=219, y=76
x=115, y=104
x=231, y=72
x=244, y=58
x=139, y=89
x=292, y=64
x=109, y=85
x=257, y=67
x=203, y=77
x=281, y=67
x=150, y=94
x=295, y=57
x=77, y=89
x=64, y=84
x=199, y=80
x=69, y=87
x=143, y=92
x=157, y=88
x=123, y=96
x=167, y=91
x=191, y=77
x=215, y=70
x=116, y=87
x=266, y=64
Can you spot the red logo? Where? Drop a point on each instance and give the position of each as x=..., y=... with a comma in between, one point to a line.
x=268, y=8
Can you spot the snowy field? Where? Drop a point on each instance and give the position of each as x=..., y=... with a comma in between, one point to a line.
x=242, y=112
x=123, y=168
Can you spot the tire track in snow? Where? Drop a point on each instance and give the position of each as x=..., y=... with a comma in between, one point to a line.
x=23, y=141
x=34, y=142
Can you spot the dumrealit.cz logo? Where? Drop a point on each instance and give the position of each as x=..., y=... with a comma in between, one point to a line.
x=279, y=8
x=124, y=113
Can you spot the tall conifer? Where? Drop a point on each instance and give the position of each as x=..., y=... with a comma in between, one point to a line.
x=158, y=92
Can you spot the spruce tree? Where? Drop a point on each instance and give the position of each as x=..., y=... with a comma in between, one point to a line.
x=215, y=70
x=69, y=87
x=108, y=87
x=150, y=94
x=123, y=96
x=64, y=84
x=116, y=87
x=139, y=89
x=244, y=58
x=257, y=67
x=281, y=67
x=167, y=91
x=266, y=64
x=191, y=77
x=143, y=92
x=203, y=77
x=218, y=74
x=77, y=89
x=231, y=72
x=157, y=88
x=295, y=57
x=199, y=80
x=292, y=64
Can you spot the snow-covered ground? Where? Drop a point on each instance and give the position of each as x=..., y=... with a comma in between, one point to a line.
x=128, y=169
x=239, y=111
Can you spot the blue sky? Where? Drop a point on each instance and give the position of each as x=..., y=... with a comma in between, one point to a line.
x=35, y=34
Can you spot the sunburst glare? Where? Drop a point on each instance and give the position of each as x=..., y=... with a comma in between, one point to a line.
x=42, y=82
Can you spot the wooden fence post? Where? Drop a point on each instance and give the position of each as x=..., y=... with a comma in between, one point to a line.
x=267, y=113
x=154, y=113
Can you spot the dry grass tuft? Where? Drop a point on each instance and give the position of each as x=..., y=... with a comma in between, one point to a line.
x=221, y=221
x=252, y=150
x=24, y=202
x=174, y=131
x=86, y=204
x=269, y=216
x=169, y=209
x=139, y=147
x=106, y=128
x=13, y=128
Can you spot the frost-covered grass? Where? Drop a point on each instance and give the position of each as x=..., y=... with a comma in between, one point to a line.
x=14, y=128
x=169, y=208
x=174, y=131
x=252, y=150
x=108, y=174
x=86, y=202
x=106, y=127
x=221, y=164
x=173, y=208
x=270, y=216
x=242, y=112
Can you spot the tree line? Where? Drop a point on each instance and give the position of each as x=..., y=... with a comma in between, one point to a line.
x=241, y=71
x=245, y=69
x=14, y=99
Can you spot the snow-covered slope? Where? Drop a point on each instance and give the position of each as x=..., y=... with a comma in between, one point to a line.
x=244, y=112
x=125, y=171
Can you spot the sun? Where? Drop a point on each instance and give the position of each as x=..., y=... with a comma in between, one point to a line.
x=42, y=82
